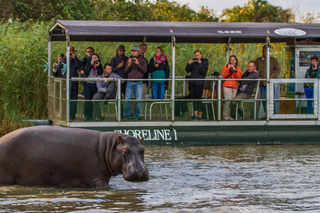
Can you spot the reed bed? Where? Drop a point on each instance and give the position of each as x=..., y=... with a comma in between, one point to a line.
x=24, y=53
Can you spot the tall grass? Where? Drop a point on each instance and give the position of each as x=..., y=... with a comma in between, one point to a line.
x=23, y=54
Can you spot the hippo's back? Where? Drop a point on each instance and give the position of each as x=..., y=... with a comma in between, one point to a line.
x=48, y=155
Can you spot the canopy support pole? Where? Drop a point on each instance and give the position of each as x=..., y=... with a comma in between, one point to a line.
x=144, y=39
x=228, y=49
x=119, y=99
x=173, y=75
x=49, y=57
x=68, y=77
x=268, y=79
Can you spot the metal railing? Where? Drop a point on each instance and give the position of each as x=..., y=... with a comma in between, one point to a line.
x=57, y=99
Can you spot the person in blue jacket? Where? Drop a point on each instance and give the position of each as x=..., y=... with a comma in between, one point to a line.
x=312, y=72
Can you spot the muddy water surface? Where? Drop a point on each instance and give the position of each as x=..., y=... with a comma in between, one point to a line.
x=194, y=179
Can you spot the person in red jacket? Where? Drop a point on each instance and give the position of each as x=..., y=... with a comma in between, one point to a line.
x=230, y=87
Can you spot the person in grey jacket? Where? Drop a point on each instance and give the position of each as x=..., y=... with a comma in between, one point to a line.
x=105, y=90
x=246, y=88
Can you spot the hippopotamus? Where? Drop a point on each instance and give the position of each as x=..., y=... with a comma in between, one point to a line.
x=59, y=156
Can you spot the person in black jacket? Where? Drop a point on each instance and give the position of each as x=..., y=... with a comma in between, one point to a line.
x=85, y=60
x=198, y=67
x=159, y=69
x=91, y=70
x=74, y=85
x=118, y=64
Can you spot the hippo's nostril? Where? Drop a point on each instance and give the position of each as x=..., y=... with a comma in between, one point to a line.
x=134, y=172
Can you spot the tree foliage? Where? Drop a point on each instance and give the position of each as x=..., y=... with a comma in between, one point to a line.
x=257, y=11
x=46, y=10
x=124, y=10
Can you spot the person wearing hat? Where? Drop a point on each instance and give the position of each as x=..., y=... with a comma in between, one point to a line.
x=135, y=68
x=261, y=63
x=74, y=66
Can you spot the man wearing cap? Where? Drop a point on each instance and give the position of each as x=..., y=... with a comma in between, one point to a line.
x=261, y=63
x=135, y=68
x=118, y=64
x=74, y=67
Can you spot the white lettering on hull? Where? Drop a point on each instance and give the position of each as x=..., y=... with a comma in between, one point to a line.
x=151, y=135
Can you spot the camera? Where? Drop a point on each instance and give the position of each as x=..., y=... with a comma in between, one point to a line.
x=215, y=74
x=231, y=69
x=195, y=59
x=133, y=59
x=96, y=62
x=70, y=54
x=313, y=66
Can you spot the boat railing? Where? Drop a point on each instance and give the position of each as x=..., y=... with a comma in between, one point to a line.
x=278, y=104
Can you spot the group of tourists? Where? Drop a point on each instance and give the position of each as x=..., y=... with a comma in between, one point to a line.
x=137, y=67
x=120, y=67
x=256, y=69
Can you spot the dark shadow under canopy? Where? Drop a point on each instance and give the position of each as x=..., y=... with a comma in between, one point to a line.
x=184, y=32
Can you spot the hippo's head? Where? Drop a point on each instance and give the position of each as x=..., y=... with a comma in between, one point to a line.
x=130, y=158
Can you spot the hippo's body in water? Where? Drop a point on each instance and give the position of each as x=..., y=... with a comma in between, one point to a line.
x=58, y=156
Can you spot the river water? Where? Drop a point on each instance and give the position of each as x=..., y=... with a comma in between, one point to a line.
x=253, y=178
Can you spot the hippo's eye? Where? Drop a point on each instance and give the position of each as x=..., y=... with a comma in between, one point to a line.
x=125, y=150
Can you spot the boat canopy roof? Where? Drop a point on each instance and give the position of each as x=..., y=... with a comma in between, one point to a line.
x=184, y=32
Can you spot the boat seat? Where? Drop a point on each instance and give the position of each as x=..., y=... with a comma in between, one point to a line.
x=106, y=106
x=209, y=85
x=165, y=101
x=254, y=100
x=299, y=94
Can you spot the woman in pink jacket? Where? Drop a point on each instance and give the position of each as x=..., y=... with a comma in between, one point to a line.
x=230, y=87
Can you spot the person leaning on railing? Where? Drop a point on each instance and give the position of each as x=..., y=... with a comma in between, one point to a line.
x=246, y=88
x=312, y=72
x=230, y=71
x=158, y=68
x=106, y=90
x=198, y=67
x=91, y=70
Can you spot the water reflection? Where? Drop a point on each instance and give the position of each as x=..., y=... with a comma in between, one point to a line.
x=194, y=179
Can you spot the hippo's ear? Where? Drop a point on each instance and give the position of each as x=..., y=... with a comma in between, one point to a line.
x=120, y=139
x=142, y=140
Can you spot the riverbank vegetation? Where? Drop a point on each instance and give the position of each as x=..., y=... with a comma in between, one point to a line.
x=24, y=48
